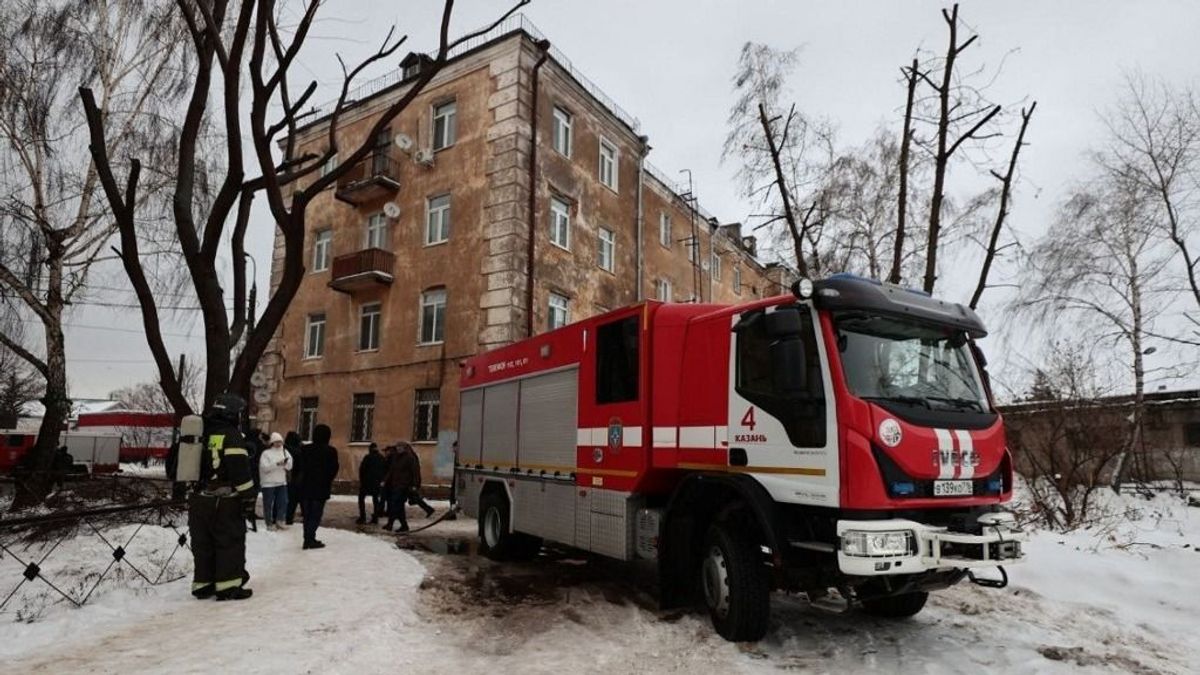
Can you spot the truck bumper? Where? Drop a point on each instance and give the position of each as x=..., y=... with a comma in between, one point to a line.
x=930, y=548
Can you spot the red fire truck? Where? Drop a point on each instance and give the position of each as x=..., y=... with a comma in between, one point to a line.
x=840, y=441
x=144, y=435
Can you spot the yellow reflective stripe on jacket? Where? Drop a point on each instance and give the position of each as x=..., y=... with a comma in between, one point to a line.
x=215, y=443
x=237, y=451
x=231, y=583
x=244, y=486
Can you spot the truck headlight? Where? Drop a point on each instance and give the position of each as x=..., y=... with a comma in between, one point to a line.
x=878, y=544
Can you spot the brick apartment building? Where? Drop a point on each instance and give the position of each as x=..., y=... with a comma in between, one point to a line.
x=423, y=256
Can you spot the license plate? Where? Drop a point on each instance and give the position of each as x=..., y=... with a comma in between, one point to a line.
x=953, y=488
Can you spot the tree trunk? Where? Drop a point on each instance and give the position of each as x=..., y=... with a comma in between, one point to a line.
x=33, y=487
x=902, y=199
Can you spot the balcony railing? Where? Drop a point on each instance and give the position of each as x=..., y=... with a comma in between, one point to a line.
x=362, y=270
x=375, y=177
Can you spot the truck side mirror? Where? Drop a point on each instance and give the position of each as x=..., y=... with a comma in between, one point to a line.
x=784, y=322
x=789, y=372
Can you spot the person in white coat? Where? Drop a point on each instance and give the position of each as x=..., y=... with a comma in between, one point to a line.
x=273, y=466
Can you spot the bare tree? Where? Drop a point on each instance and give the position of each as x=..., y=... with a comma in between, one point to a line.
x=1154, y=144
x=961, y=114
x=243, y=85
x=911, y=76
x=1100, y=269
x=1065, y=443
x=1006, y=183
x=149, y=396
x=53, y=223
x=784, y=156
x=20, y=384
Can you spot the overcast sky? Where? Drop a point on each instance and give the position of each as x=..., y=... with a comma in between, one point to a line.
x=670, y=62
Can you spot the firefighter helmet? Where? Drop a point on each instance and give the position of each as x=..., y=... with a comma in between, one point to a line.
x=228, y=407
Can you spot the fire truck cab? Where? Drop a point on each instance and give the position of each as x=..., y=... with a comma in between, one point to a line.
x=840, y=441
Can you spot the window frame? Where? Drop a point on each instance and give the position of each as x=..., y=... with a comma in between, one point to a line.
x=664, y=230
x=438, y=318
x=377, y=222
x=737, y=279
x=565, y=214
x=611, y=242
x=562, y=130
x=564, y=308
x=449, y=128
x=368, y=419
x=614, y=158
x=304, y=431
x=714, y=266
x=661, y=284
x=328, y=166
x=432, y=416
x=324, y=246
x=365, y=311
x=444, y=219
x=315, y=319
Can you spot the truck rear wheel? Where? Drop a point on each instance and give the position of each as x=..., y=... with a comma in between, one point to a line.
x=896, y=606
x=736, y=584
x=497, y=540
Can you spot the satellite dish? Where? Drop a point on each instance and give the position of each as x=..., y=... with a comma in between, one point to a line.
x=404, y=142
x=391, y=210
x=262, y=396
x=258, y=379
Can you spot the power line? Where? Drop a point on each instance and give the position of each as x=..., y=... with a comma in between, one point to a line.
x=113, y=329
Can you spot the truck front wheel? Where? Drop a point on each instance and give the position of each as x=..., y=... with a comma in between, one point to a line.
x=736, y=584
x=896, y=606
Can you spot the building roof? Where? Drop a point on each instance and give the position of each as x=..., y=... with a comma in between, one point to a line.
x=1188, y=397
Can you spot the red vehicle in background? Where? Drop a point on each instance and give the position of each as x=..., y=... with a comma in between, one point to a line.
x=840, y=441
x=144, y=435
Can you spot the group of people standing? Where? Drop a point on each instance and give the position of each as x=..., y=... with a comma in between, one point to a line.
x=292, y=476
x=392, y=479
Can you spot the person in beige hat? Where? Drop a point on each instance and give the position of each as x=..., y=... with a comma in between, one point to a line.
x=273, y=466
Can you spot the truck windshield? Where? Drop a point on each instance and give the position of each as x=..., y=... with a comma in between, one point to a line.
x=909, y=363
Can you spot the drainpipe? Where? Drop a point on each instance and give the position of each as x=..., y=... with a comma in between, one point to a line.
x=544, y=46
x=712, y=240
x=641, y=218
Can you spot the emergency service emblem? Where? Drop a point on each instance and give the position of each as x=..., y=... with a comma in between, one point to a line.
x=615, y=434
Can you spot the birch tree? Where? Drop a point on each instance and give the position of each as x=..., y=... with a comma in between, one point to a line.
x=54, y=222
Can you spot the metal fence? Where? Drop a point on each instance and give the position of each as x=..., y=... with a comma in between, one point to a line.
x=68, y=555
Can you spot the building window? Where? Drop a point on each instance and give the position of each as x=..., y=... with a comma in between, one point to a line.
x=381, y=160
x=693, y=247
x=560, y=311
x=608, y=164
x=560, y=223
x=377, y=231
x=445, y=125
x=307, y=418
x=663, y=290
x=362, y=418
x=664, y=230
x=321, y=243
x=715, y=266
x=314, y=336
x=1191, y=434
x=608, y=246
x=437, y=219
x=562, y=131
x=425, y=414
x=433, y=316
x=328, y=167
x=737, y=279
x=368, y=327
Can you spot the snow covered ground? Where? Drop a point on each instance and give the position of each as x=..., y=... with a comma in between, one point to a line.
x=1121, y=599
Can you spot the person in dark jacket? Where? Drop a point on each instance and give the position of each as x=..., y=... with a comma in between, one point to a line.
x=370, y=478
x=319, y=468
x=403, y=475
x=291, y=443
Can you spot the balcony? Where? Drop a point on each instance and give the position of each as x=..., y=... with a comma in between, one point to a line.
x=365, y=269
x=374, y=178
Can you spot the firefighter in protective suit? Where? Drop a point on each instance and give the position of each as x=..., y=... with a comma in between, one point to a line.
x=222, y=500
